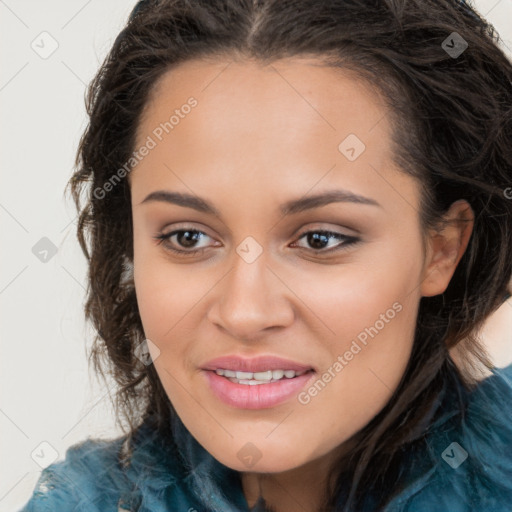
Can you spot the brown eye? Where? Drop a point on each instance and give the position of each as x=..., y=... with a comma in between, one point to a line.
x=185, y=240
x=319, y=240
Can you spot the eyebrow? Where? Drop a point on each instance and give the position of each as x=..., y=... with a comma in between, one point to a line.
x=288, y=208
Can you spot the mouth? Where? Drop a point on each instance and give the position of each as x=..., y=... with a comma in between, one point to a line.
x=261, y=382
x=260, y=390
x=258, y=378
x=233, y=364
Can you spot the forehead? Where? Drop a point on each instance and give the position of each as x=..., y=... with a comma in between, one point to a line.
x=285, y=124
x=288, y=89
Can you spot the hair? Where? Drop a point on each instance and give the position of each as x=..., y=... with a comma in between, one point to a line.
x=451, y=121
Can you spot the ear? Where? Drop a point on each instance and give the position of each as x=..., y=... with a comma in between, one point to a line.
x=446, y=245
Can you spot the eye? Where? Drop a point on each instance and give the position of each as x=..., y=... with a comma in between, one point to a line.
x=319, y=240
x=186, y=238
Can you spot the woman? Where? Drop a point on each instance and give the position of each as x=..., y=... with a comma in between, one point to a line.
x=298, y=222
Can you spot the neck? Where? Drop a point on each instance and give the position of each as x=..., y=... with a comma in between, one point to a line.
x=302, y=488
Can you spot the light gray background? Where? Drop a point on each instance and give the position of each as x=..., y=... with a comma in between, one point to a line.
x=47, y=393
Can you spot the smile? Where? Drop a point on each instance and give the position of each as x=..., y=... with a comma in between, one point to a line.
x=247, y=390
x=251, y=379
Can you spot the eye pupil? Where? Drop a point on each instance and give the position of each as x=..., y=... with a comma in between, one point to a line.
x=317, y=240
x=190, y=236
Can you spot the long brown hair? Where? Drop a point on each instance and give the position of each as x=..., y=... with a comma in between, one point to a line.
x=452, y=130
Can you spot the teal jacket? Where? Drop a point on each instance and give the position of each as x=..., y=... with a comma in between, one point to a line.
x=463, y=464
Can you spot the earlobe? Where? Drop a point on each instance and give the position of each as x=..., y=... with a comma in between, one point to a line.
x=446, y=246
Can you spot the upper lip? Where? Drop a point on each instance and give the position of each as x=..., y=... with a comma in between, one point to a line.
x=254, y=364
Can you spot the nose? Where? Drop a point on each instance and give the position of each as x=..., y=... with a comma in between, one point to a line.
x=251, y=300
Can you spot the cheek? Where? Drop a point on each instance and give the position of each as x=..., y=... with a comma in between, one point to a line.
x=362, y=373
x=350, y=297
x=372, y=310
x=166, y=292
x=164, y=310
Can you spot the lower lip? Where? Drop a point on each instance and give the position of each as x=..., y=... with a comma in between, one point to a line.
x=259, y=396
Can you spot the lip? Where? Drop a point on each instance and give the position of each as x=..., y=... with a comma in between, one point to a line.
x=255, y=364
x=260, y=396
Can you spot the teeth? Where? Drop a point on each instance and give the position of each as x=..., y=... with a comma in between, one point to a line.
x=263, y=375
x=277, y=374
x=248, y=382
x=253, y=379
x=243, y=375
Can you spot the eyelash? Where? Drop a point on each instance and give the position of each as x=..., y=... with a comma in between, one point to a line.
x=348, y=241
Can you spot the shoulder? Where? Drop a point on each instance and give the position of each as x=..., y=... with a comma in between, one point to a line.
x=87, y=478
x=470, y=456
x=96, y=477
x=148, y=472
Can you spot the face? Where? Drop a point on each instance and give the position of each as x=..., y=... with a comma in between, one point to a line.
x=331, y=287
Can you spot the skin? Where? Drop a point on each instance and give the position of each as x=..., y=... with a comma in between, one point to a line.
x=258, y=137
